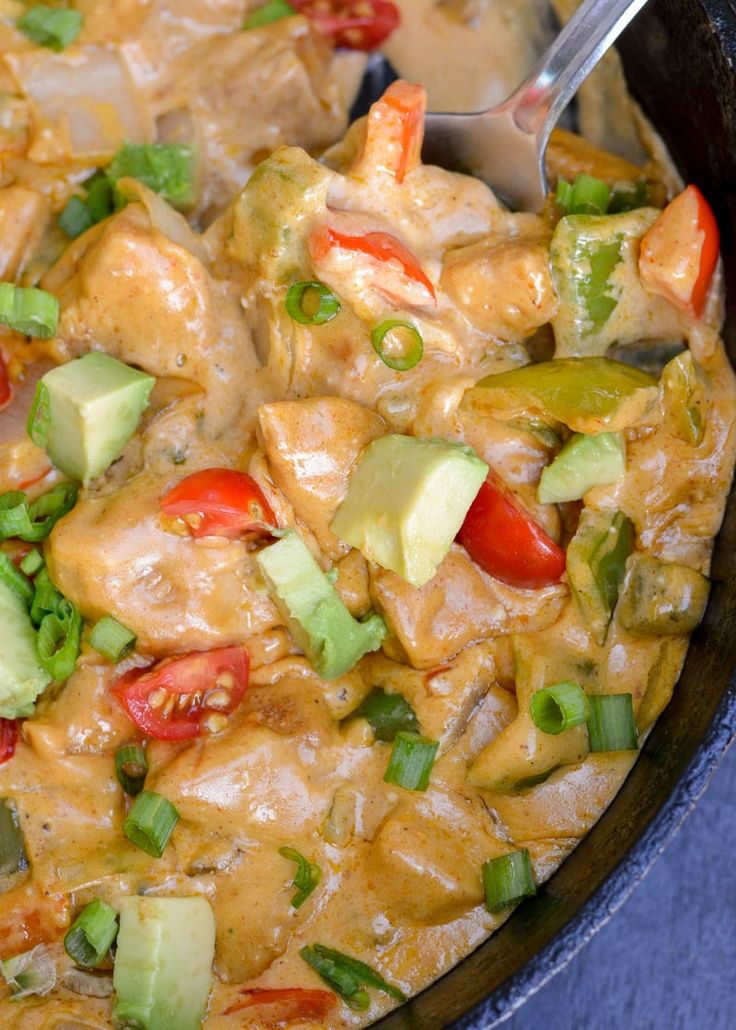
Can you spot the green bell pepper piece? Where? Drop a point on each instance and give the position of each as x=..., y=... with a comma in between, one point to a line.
x=661, y=599
x=596, y=563
x=685, y=399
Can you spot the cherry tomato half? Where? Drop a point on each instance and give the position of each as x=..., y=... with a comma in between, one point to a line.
x=219, y=502
x=356, y=24
x=8, y=739
x=181, y=698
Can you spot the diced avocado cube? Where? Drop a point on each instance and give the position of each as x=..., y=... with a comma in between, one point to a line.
x=163, y=965
x=661, y=599
x=22, y=678
x=596, y=562
x=85, y=412
x=584, y=462
x=406, y=503
x=322, y=626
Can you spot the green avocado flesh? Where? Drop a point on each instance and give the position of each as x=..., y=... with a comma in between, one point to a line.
x=163, y=965
x=86, y=411
x=406, y=503
x=21, y=677
x=322, y=626
x=584, y=462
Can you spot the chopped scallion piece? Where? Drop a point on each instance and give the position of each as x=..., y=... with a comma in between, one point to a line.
x=12, y=848
x=29, y=311
x=559, y=707
x=311, y=303
x=33, y=522
x=46, y=598
x=151, y=822
x=611, y=724
x=629, y=197
x=166, y=168
x=113, y=640
x=271, y=11
x=14, y=517
x=411, y=761
x=388, y=714
x=307, y=876
x=586, y=196
x=100, y=201
x=33, y=972
x=13, y=578
x=131, y=768
x=399, y=344
x=507, y=879
x=76, y=218
x=58, y=641
x=32, y=563
x=92, y=934
x=348, y=976
x=52, y=27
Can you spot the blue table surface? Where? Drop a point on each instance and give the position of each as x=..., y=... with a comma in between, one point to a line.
x=667, y=958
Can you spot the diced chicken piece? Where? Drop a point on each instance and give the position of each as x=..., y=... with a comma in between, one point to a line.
x=312, y=446
x=24, y=215
x=175, y=593
x=503, y=284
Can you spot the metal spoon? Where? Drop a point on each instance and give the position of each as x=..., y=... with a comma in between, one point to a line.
x=505, y=146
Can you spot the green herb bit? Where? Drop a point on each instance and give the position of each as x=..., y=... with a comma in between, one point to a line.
x=347, y=976
x=307, y=877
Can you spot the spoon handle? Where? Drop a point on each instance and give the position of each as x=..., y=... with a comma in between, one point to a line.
x=545, y=93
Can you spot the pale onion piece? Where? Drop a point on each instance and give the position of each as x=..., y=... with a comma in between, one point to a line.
x=164, y=218
x=85, y=105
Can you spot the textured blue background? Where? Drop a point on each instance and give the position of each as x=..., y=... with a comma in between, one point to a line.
x=667, y=958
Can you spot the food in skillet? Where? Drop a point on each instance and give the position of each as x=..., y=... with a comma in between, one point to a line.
x=345, y=563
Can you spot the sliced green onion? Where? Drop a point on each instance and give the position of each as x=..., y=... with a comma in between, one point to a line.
x=46, y=598
x=347, y=976
x=311, y=303
x=59, y=640
x=12, y=847
x=32, y=563
x=307, y=876
x=29, y=311
x=76, y=218
x=508, y=879
x=611, y=724
x=52, y=27
x=33, y=972
x=151, y=822
x=100, y=200
x=586, y=196
x=274, y=10
x=166, y=168
x=14, y=517
x=113, y=640
x=92, y=934
x=398, y=344
x=388, y=714
x=13, y=578
x=49, y=508
x=131, y=768
x=629, y=197
x=559, y=707
x=411, y=761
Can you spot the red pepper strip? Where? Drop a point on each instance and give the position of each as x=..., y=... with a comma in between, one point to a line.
x=507, y=543
x=293, y=1003
x=394, y=132
x=381, y=246
x=356, y=24
x=6, y=390
x=8, y=739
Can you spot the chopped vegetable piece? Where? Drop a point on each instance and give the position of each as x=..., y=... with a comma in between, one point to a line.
x=388, y=714
x=507, y=879
x=29, y=311
x=33, y=522
x=311, y=303
x=590, y=395
x=286, y=1004
x=151, y=822
x=501, y=536
x=685, y=398
x=307, y=876
x=393, y=134
x=8, y=739
x=100, y=200
x=76, y=218
x=32, y=563
x=113, y=640
x=596, y=562
x=611, y=724
x=32, y=973
x=22, y=678
x=272, y=10
x=131, y=768
x=12, y=847
x=630, y=196
x=661, y=599
x=46, y=598
x=181, y=698
x=356, y=24
x=15, y=580
x=51, y=27
x=85, y=411
x=584, y=462
x=166, y=168
x=92, y=934
x=14, y=517
x=411, y=761
x=59, y=641
x=347, y=976
x=406, y=502
x=679, y=253
x=220, y=502
x=6, y=390
x=559, y=707
x=586, y=196
x=398, y=344
x=322, y=626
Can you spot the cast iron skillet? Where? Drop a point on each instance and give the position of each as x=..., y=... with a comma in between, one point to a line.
x=680, y=58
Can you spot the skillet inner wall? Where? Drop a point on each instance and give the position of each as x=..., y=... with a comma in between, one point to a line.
x=679, y=57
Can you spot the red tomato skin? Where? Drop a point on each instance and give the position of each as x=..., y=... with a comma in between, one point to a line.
x=185, y=674
x=709, y=256
x=348, y=23
x=379, y=245
x=229, y=503
x=290, y=1003
x=6, y=390
x=8, y=739
x=501, y=537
